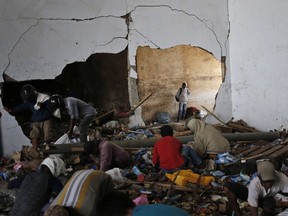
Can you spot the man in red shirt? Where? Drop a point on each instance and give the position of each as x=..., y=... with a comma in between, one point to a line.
x=167, y=151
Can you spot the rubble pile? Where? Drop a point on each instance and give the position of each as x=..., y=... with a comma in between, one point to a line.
x=197, y=191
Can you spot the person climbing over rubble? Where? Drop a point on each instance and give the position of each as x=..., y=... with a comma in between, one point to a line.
x=110, y=154
x=182, y=98
x=38, y=187
x=207, y=139
x=35, y=103
x=78, y=110
x=169, y=153
x=83, y=192
x=120, y=204
x=262, y=191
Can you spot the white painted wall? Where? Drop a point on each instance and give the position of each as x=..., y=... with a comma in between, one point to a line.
x=258, y=62
x=39, y=38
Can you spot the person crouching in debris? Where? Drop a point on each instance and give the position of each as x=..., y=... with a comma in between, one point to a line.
x=38, y=187
x=110, y=154
x=207, y=139
x=168, y=152
x=262, y=191
x=78, y=110
x=35, y=103
x=82, y=193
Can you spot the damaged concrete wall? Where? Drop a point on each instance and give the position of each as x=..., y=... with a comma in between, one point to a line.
x=38, y=39
x=258, y=62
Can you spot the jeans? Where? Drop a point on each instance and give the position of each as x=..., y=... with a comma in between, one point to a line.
x=181, y=111
x=172, y=170
x=190, y=156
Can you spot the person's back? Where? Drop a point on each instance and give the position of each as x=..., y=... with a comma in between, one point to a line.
x=83, y=191
x=207, y=139
x=112, y=155
x=78, y=108
x=32, y=195
x=167, y=151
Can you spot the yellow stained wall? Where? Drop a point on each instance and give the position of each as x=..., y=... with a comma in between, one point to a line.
x=162, y=72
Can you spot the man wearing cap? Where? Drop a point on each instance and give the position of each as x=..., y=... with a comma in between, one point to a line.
x=261, y=192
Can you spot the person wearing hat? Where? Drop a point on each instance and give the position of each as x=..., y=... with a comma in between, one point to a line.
x=207, y=139
x=35, y=104
x=38, y=187
x=262, y=191
x=110, y=155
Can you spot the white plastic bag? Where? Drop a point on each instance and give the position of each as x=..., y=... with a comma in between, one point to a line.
x=63, y=139
x=116, y=174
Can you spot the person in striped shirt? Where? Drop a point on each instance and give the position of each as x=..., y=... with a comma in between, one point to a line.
x=83, y=191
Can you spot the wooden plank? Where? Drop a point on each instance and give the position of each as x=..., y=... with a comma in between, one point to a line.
x=279, y=152
x=260, y=150
x=272, y=150
x=207, y=110
x=254, y=148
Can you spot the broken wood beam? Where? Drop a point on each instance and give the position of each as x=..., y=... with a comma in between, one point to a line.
x=73, y=148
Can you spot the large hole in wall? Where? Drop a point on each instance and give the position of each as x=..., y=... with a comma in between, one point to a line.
x=162, y=71
x=102, y=81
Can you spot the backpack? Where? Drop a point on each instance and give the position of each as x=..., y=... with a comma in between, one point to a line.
x=177, y=96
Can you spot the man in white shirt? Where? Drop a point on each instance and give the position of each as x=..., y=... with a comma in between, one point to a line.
x=182, y=98
x=261, y=191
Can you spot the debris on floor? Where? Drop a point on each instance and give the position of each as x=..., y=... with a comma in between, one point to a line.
x=197, y=191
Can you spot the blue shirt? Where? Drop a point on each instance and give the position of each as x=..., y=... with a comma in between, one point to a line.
x=159, y=210
x=40, y=115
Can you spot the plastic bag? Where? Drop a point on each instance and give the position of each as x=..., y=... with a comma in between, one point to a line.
x=63, y=139
x=116, y=174
x=163, y=117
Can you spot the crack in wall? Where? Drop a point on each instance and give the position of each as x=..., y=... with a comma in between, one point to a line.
x=70, y=19
x=204, y=21
x=17, y=42
x=228, y=33
x=145, y=37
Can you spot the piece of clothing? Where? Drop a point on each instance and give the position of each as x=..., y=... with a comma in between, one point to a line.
x=181, y=111
x=38, y=127
x=167, y=153
x=207, y=139
x=112, y=155
x=190, y=156
x=77, y=109
x=239, y=190
x=41, y=98
x=157, y=210
x=84, y=190
x=35, y=191
x=183, y=94
x=36, y=115
x=256, y=190
x=84, y=127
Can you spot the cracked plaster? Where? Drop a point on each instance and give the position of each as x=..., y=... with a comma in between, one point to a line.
x=38, y=39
